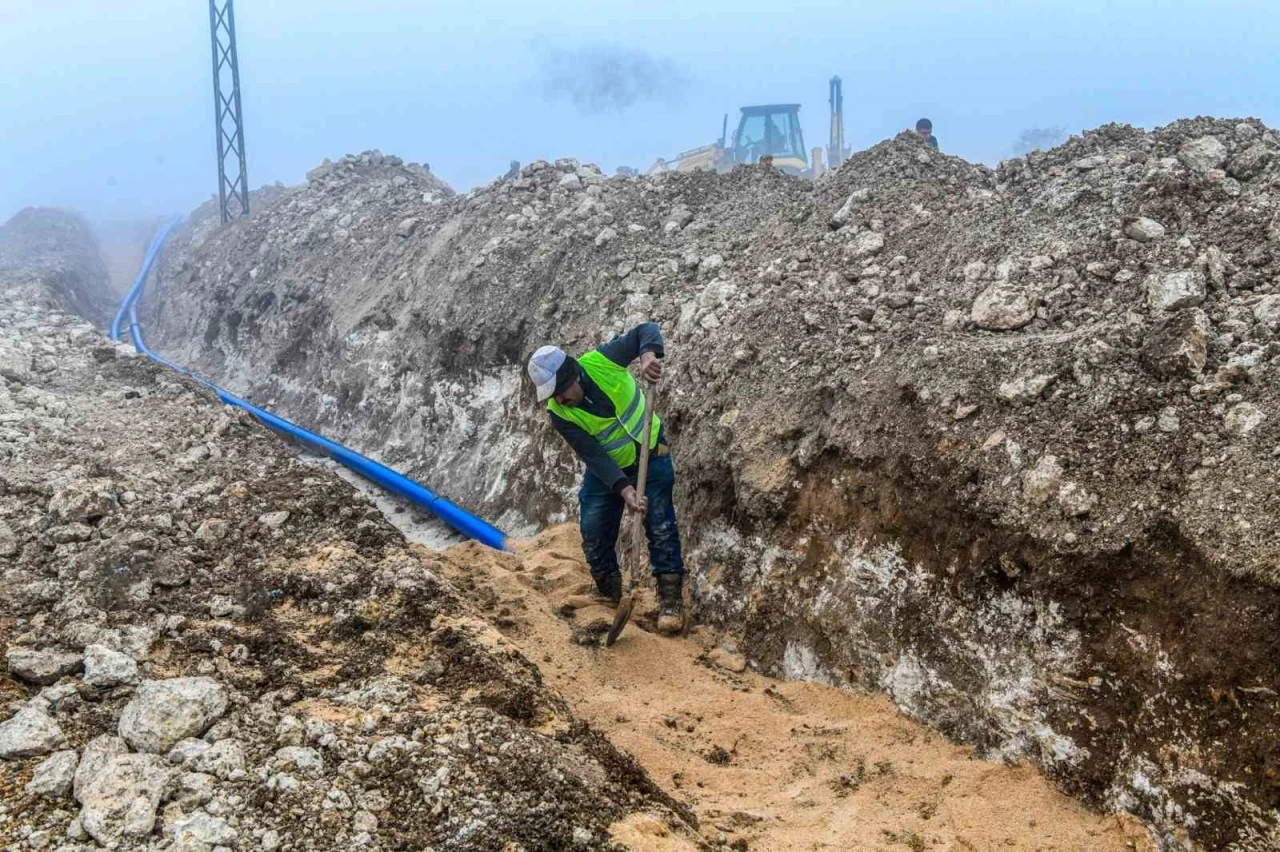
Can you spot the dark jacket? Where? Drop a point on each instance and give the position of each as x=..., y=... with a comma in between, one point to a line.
x=622, y=350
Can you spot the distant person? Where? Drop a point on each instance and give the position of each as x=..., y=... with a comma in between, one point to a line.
x=925, y=128
x=775, y=141
x=513, y=171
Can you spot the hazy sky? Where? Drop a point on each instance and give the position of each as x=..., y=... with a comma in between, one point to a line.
x=107, y=106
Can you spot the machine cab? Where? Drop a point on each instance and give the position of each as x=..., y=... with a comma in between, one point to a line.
x=774, y=130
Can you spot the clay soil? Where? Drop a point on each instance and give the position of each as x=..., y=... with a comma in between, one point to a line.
x=764, y=764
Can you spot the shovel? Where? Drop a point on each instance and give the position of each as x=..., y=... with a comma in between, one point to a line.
x=637, y=529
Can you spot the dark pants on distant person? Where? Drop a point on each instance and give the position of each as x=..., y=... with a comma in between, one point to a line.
x=601, y=515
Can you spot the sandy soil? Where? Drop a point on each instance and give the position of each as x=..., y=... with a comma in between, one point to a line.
x=764, y=764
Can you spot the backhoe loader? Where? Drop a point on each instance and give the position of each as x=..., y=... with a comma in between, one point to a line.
x=766, y=130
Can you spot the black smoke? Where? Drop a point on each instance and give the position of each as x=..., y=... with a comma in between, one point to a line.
x=1039, y=139
x=608, y=78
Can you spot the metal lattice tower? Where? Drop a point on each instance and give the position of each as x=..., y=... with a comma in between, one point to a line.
x=233, y=184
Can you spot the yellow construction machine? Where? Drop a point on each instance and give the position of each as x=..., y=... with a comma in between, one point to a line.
x=766, y=130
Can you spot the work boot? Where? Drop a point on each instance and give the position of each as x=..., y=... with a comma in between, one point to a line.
x=609, y=589
x=670, y=603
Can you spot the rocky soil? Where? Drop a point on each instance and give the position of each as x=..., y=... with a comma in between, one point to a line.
x=210, y=645
x=1001, y=443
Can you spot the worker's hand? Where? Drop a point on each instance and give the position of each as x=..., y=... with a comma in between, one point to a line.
x=650, y=366
x=634, y=501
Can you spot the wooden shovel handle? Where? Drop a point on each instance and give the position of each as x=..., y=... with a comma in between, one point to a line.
x=643, y=474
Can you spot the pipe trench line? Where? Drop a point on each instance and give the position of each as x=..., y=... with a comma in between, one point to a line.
x=379, y=474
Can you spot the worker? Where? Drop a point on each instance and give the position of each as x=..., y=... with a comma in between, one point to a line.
x=513, y=171
x=598, y=408
x=925, y=128
x=774, y=140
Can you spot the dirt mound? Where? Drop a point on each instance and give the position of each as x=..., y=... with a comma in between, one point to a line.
x=997, y=442
x=534, y=256
x=280, y=669
x=56, y=251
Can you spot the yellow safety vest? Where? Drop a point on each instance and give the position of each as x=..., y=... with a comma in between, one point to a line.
x=619, y=434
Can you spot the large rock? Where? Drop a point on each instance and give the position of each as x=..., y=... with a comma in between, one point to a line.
x=1024, y=389
x=1250, y=162
x=1001, y=307
x=132, y=639
x=299, y=758
x=1075, y=501
x=1203, y=154
x=225, y=759
x=1267, y=311
x=30, y=733
x=1169, y=291
x=1143, y=230
x=104, y=667
x=185, y=752
x=41, y=667
x=1178, y=345
x=193, y=789
x=846, y=211
x=70, y=533
x=866, y=243
x=1243, y=418
x=165, y=711
x=83, y=501
x=1043, y=481
x=120, y=802
x=97, y=754
x=320, y=172
x=54, y=776
x=203, y=828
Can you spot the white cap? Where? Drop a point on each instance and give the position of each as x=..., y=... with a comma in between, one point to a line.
x=543, y=365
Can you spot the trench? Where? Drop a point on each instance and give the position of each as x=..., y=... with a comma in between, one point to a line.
x=784, y=762
x=1139, y=681
x=1075, y=665
x=762, y=762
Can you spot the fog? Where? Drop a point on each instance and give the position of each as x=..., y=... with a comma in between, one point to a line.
x=107, y=107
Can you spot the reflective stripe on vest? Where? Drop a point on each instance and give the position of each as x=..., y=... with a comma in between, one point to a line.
x=617, y=435
x=621, y=424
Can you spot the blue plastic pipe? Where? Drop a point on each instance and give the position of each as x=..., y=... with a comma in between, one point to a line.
x=135, y=292
x=379, y=474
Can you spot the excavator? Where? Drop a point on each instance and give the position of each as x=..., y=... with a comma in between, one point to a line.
x=767, y=130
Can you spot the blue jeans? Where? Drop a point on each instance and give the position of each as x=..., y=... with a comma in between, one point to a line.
x=600, y=513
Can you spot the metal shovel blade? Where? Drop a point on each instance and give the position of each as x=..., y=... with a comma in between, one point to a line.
x=620, y=619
